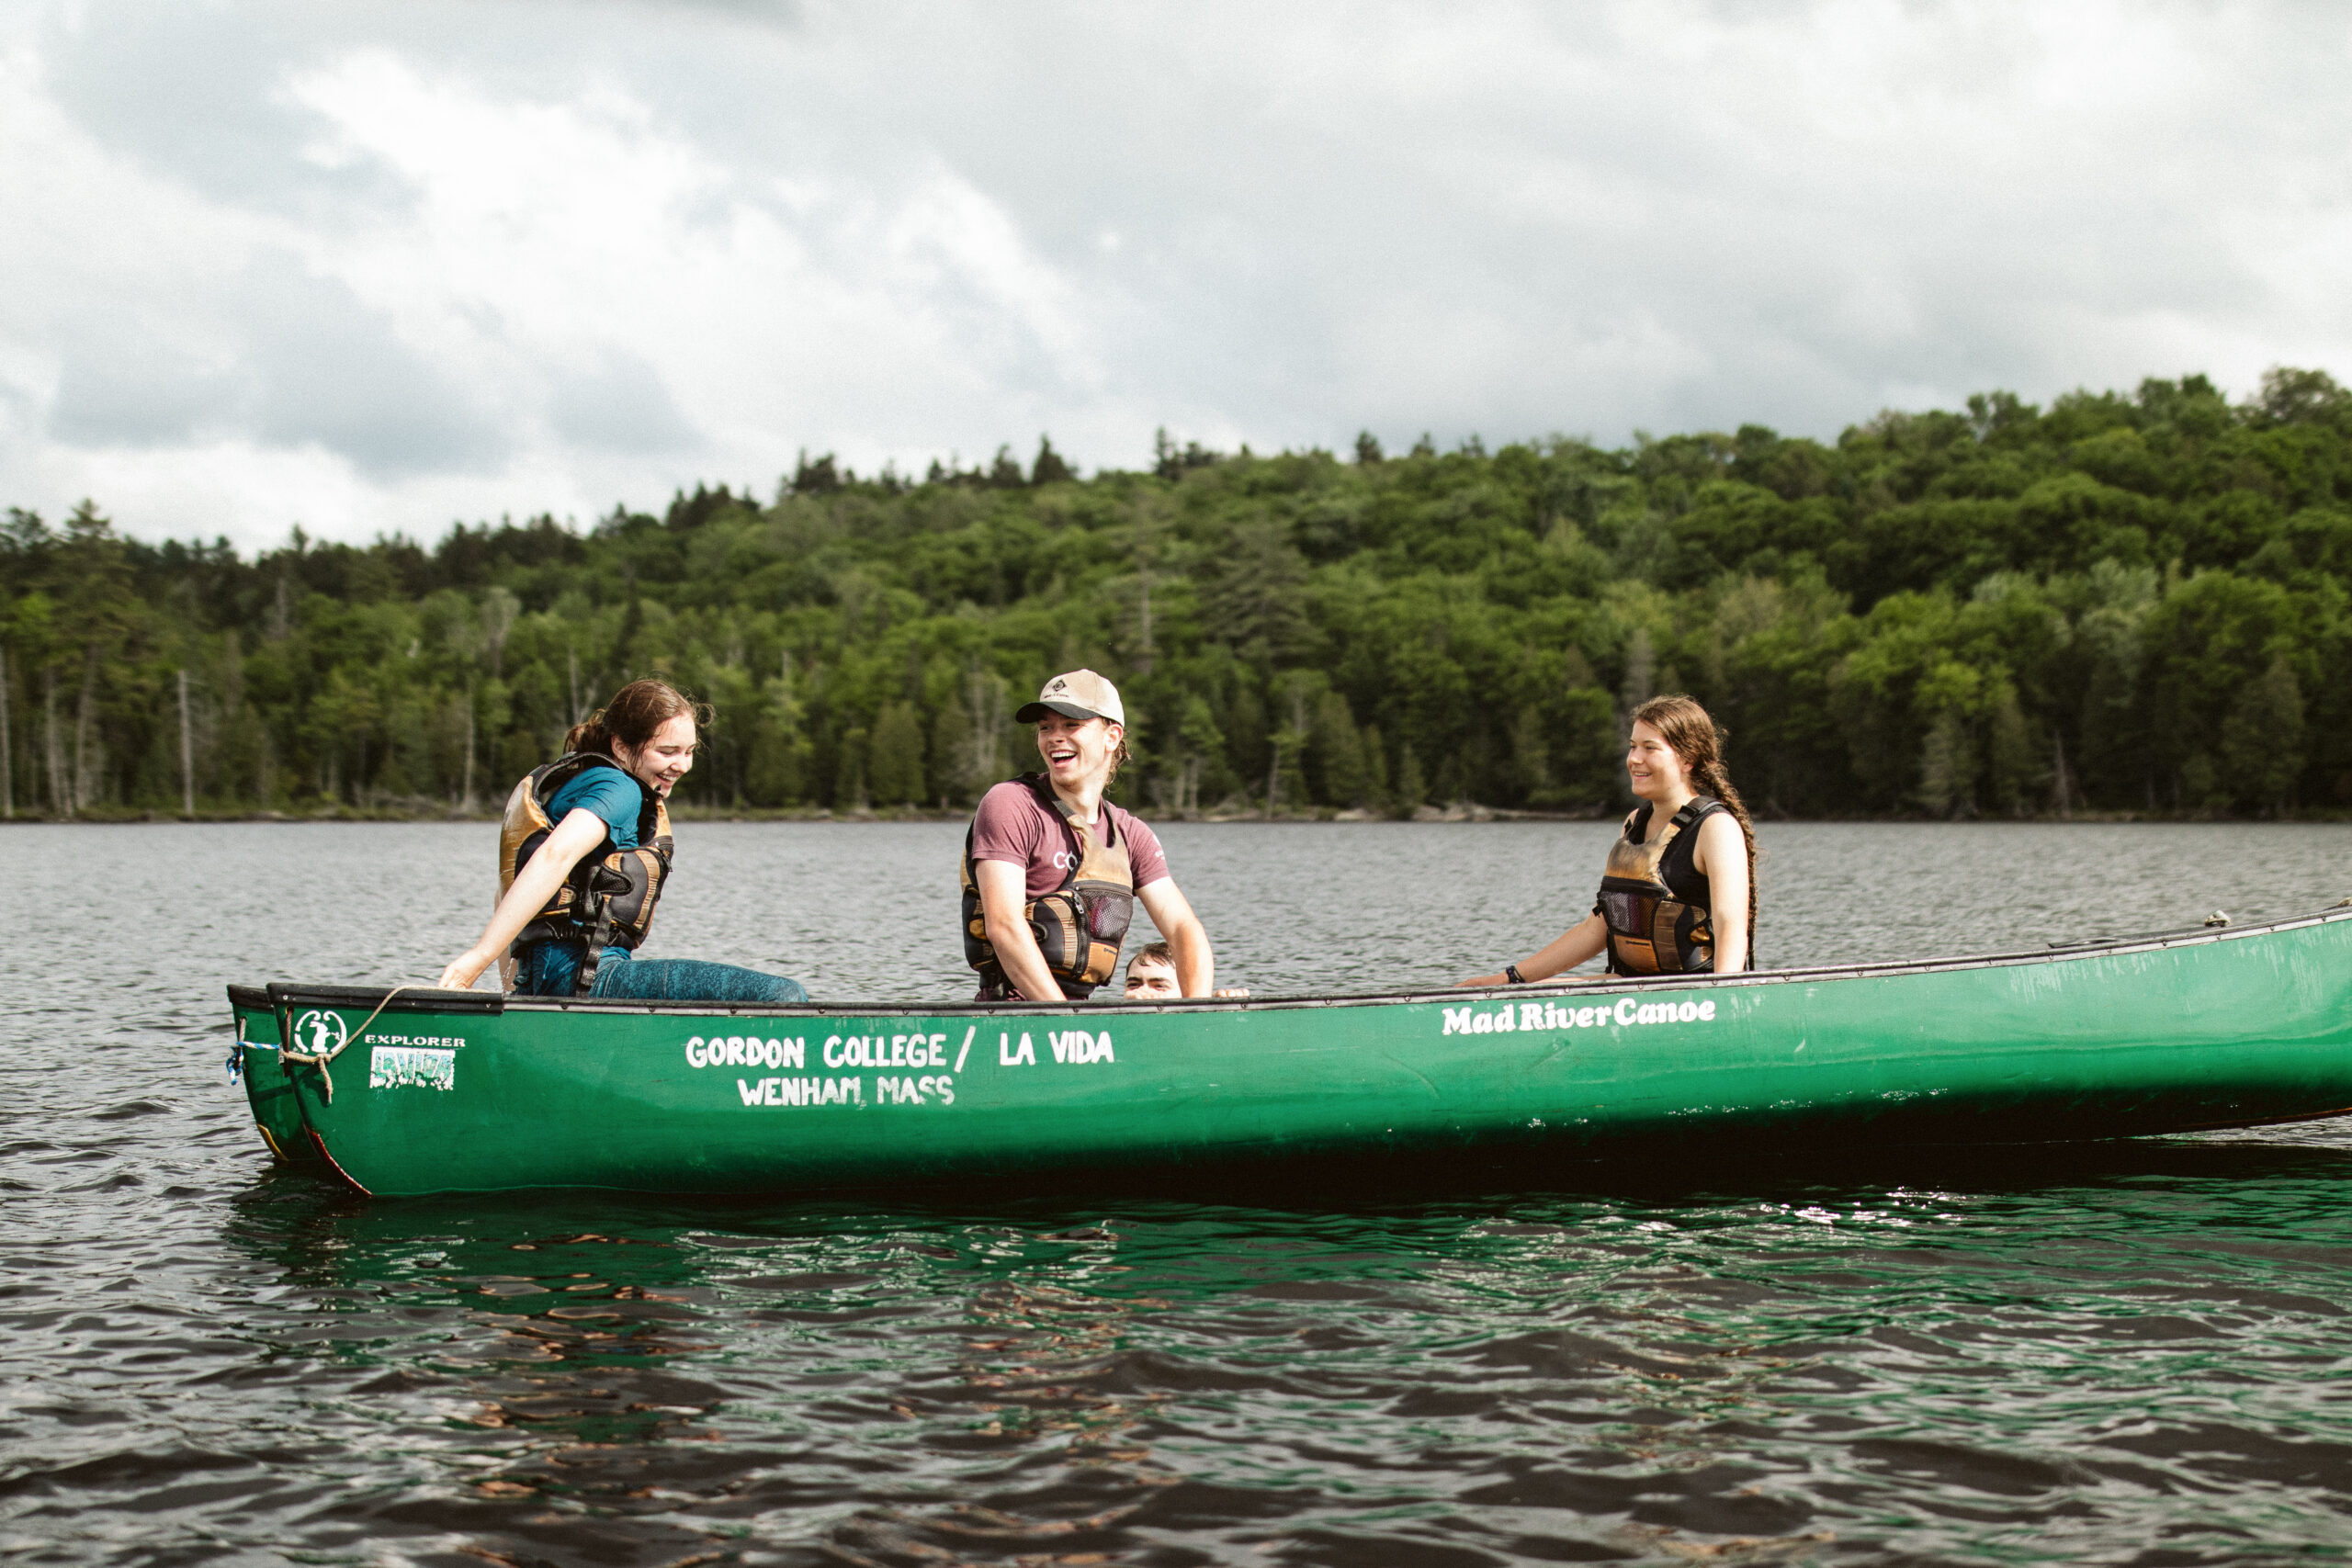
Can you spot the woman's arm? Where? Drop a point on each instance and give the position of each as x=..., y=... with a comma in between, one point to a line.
x=1722, y=859
x=1568, y=949
x=580, y=832
x=1187, y=940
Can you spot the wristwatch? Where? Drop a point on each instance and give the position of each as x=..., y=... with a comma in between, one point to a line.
x=1510, y=973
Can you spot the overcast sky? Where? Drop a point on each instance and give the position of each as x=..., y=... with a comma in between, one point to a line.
x=376, y=267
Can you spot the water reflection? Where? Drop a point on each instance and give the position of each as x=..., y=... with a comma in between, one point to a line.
x=1660, y=1368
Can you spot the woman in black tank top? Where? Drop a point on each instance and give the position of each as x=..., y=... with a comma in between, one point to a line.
x=1678, y=865
x=1678, y=892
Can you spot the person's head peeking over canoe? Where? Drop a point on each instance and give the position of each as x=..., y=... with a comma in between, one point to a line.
x=1052, y=870
x=1678, y=895
x=584, y=854
x=1151, y=975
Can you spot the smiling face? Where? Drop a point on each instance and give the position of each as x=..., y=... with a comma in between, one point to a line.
x=662, y=761
x=1653, y=768
x=1076, y=750
x=1151, y=980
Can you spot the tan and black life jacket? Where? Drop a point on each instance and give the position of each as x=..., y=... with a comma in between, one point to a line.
x=1654, y=899
x=608, y=899
x=1080, y=926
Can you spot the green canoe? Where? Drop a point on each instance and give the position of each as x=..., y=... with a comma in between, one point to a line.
x=418, y=1092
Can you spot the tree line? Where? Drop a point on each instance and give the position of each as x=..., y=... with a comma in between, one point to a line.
x=2125, y=603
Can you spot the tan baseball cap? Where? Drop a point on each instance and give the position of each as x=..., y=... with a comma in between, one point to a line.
x=1081, y=694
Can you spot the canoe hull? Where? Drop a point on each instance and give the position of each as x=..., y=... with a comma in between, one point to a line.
x=443, y=1092
x=269, y=1088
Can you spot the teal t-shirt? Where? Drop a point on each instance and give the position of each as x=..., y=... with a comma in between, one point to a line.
x=610, y=793
x=552, y=968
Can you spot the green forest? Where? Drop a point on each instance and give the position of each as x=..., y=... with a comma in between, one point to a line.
x=2123, y=603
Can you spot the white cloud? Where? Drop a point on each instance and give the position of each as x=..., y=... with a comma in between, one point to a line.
x=377, y=268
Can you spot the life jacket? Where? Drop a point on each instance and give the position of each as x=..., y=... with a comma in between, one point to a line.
x=1654, y=930
x=606, y=900
x=1080, y=926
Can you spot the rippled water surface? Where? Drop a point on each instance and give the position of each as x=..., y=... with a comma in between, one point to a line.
x=2120, y=1354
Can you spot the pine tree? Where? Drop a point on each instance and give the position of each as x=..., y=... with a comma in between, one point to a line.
x=951, y=754
x=1049, y=468
x=1412, y=791
x=1336, y=749
x=894, y=768
x=2262, y=742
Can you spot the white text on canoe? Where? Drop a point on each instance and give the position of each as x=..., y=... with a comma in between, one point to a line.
x=1626, y=1012
x=853, y=1051
x=888, y=1089
x=1072, y=1048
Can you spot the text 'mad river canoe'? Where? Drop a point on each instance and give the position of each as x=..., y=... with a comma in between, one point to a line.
x=420, y=1091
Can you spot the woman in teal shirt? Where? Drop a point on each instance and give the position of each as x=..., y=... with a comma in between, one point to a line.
x=582, y=857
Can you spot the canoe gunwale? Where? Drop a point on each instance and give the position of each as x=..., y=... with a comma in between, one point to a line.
x=284, y=995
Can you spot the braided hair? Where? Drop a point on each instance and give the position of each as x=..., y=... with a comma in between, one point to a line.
x=1695, y=739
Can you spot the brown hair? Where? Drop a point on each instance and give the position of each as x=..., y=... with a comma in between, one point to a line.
x=1695, y=739
x=636, y=713
x=1155, y=952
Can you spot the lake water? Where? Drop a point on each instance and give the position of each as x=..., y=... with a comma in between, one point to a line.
x=2123, y=1354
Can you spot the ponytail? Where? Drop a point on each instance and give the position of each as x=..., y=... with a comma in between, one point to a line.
x=1715, y=780
x=590, y=735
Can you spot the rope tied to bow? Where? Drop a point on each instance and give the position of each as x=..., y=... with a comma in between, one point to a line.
x=320, y=1059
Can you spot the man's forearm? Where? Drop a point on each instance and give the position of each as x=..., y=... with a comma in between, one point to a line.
x=1195, y=964
x=1023, y=965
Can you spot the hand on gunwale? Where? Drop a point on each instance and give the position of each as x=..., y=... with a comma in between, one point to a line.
x=462, y=972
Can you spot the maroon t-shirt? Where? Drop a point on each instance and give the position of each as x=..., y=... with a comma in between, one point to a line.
x=1014, y=826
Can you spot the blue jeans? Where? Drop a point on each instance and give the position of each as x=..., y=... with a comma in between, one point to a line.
x=552, y=969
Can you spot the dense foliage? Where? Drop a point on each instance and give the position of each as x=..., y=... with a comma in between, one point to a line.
x=2125, y=602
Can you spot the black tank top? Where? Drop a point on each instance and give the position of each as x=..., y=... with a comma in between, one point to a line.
x=1678, y=867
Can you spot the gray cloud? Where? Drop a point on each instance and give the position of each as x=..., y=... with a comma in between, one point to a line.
x=326, y=368
x=294, y=360
x=117, y=392
x=617, y=402
x=194, y=91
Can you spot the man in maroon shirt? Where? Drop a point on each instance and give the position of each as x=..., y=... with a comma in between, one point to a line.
x=1021, y=848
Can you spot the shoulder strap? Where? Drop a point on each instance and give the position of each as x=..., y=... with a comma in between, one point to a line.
x=1637, y=826
x=1695, y=810
x=1108, y=836
x=553, y=776
x=1043, y=787
x=650, y=816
